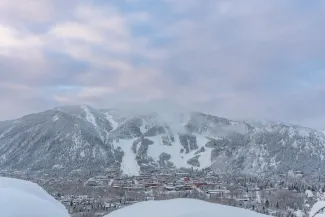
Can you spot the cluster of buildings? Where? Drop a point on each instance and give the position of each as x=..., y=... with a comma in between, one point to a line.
x=96, y=194
x=162, y=181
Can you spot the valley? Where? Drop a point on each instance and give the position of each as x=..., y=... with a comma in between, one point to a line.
x=98, y=194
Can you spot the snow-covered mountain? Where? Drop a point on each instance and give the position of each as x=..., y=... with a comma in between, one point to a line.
x=181, y=208
x=80, y=137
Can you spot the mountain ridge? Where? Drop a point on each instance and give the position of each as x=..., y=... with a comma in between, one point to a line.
x=81, y=137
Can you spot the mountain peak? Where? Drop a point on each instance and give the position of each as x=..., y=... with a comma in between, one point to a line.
x=81, y=137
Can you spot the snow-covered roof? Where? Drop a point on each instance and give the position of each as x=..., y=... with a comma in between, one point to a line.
x=20, y=198
x=299, y=213
x=309, y=193
x=181, y=208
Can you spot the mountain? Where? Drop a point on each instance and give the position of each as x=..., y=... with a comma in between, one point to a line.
x=80, y=137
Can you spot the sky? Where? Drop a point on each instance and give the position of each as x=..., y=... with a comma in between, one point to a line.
x=247, y=59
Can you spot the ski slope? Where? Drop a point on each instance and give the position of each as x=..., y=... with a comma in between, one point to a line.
x=129, y=164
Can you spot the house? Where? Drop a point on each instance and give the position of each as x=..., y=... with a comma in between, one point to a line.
x=200, y=184
x=151, y=185
x=169, y=188
x=298, y=173
x=218, y=192
x=183, y=187
x=91, y=183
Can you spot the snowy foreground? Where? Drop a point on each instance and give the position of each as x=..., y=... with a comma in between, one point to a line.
x=20, y=198
x=182, y=208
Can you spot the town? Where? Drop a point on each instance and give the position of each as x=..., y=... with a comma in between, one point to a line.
x=89, y=195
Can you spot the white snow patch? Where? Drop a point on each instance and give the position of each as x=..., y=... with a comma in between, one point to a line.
x=177, y=158
x=57, y=166
x=143, y=127
x=273, y=163
x=258, y=197
x=294, y=144
x=91, y=119
x=181, y=208
x=55, y=118
x=110, y=118
x=309, y=193
x=20, y=198
x=89, y=116
x=299, y=213
x=129, y=164
x=205, y=157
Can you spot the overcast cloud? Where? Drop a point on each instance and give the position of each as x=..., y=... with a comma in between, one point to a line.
x=240, y=59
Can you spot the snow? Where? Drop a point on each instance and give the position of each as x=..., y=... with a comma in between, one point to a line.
x=58, y=166
x=143, y=127
x=129, y=163
x=309, y=193
x=317, y=207
x=20, y=198
x=258, y=197
x=110, y=182
x=55, y=118
x=155, y=150
x=82, y=154
x=177, y=158
x=294, y=144
x=181, y=208
x=89, y=116
x=205, y=157
x=273, y=163
x=91, y=119
x=110, y=118
x=299, y=213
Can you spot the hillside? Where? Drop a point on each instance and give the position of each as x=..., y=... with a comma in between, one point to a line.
x=83, y=138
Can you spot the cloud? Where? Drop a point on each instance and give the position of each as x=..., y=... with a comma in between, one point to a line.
x=14, y=11
x=250, y=59
x=17, y=44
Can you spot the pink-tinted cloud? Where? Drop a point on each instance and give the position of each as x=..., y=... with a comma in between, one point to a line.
x=248, y=59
